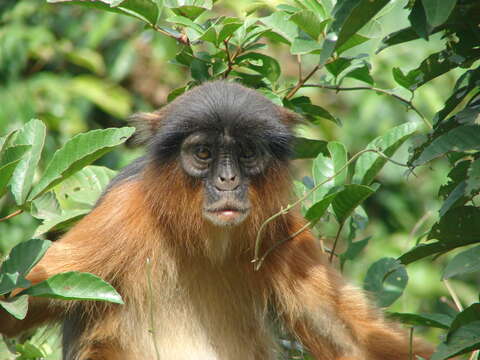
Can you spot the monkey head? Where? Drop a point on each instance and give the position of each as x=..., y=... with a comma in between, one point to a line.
x=225, y=137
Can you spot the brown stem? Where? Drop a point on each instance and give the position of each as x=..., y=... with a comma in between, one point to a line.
x=182, y=38
x=409, y=103
x=301, y=82
x=18, y=212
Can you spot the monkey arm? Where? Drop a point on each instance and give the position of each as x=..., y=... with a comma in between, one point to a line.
x=332, y=319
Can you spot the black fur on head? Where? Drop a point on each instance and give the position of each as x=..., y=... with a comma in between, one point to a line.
x=222, y=106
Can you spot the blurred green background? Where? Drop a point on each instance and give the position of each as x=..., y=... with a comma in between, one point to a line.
x=78, y=69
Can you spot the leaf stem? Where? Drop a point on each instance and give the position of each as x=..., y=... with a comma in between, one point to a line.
x=453, y=294
x=18, y=212
x=337, y=236
x=407, y=102
x=152, y=308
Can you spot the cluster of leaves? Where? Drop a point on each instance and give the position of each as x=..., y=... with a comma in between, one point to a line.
x=324, y=37
x=65, y=176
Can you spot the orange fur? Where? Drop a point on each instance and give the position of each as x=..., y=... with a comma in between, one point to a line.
x=206, y=302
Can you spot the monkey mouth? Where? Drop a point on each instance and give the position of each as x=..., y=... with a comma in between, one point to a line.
x=226, y=215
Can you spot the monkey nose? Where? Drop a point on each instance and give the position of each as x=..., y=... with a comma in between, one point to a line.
x=227, y=182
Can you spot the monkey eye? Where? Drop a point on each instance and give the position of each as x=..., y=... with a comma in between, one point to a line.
x=248, y=152
x=203, y=153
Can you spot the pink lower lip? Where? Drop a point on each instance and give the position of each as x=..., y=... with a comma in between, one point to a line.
x=228, y=213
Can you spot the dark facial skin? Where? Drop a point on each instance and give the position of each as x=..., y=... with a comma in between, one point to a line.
x=226, y=166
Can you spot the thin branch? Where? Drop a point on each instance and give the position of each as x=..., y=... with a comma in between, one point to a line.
x=301, y=82
x=283, y=211
x=259, y=263
x=152, y=308
x=18, y=212
x=419, y=223
x=410, y=345
x=181, y=38
x=407, y=102
x=336, y=241
x=454, y=296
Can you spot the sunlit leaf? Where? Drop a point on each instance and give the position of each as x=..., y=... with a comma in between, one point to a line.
x=62, y=221
x=77, y=153
x=368, y=165
x=348, y=199
x=16, y=306
x=33, y=133
x=25, y=256
x=349, y=17
x=75, y=286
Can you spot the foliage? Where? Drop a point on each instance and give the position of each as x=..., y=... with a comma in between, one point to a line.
x=328, y=43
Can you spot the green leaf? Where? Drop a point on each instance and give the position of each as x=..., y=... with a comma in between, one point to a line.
x=455, y=198
x=189, y=8
x=263, y=64
x=78, y=152
x=16, y=306
x=464, y=263
x=25, y=256
x=5, y=141
x=82, y=189
x=45, y=206
x=75, y=286
x=182, y=20
x=441, y=321
x=62, y=221
x=458, y=227
x=176, y=93
x=317, y=210
x=353, y=250
x=354, y=40
x=313, y=5
x=313, y=113
x=461, y=138
x=322, y=169
x=230, y=26
x=110, y=97
x=308, y=148
x=9, y=160
x=337, y=66
x=438, y=11
x=280, y=24
x=338, y=153
x=368, y=165
x=199, y=70
x=386, y=279
x=145, y=10
x=29, y=351
x=433, y=66
x=348, y=199
x=463, y=340
x=11, y=281
x=304, y=46
x=473, y=179
x=408, y=81
x=361, y=73
x=32, y=133
x=309, y=22
x=418, y=19
x=349, y=17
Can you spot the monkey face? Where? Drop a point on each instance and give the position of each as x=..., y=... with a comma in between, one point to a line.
x=226, y=137
x=226, y=165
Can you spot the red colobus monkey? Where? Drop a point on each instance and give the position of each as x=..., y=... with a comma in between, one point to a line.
x=182, y=221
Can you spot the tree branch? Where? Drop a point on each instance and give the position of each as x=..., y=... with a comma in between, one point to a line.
x=18, y=212
x=409, y=103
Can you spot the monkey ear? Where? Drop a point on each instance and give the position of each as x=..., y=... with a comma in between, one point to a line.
x=289, y=118
x=146, y=125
